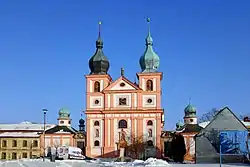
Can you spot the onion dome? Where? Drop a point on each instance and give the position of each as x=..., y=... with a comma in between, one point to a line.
x=179, y=125
x=149, y=61
x=64, y=113
x=81, y=121
x=190, y=111
x=99, y=63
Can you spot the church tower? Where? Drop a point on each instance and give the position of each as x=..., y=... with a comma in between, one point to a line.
x=190, y=115
x=64, y=117
x=96, y=81
x=81, y=125
x=149, y=77
x=150, y=82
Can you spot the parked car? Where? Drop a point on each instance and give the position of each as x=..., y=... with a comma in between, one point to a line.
x=65, y=152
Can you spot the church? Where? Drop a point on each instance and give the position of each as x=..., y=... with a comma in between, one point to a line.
x=121, y=113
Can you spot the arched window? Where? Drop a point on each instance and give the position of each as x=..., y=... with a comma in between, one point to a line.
x=97, y=143
x=97, y=86
x=150, y=123
x=96, y=123
x=150, y=143
x=122, y=124
x=149, y=85
x=97, y=133
x=150, y=133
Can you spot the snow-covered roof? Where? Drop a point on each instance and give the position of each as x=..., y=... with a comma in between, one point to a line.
x=247, y=124
x=204, y=124
x=19, y=134
x=26, y=126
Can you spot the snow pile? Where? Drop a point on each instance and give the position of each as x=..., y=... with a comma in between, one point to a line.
x=151, y=162
x=156, y=162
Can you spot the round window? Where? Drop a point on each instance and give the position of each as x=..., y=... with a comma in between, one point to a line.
x=191, y=120
x=96, y=101
x=122, y=84
x=149, y=100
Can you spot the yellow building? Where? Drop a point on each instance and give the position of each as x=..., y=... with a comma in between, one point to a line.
x=17, y=145
x=21, y=140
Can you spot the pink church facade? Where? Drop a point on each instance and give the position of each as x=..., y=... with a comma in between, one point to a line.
x=116, y=108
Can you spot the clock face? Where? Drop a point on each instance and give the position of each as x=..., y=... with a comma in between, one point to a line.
x=122, y=101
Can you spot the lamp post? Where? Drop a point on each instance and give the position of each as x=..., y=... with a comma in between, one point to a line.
x=44, y=123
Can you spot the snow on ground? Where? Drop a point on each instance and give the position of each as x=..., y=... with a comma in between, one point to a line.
x=151, y=162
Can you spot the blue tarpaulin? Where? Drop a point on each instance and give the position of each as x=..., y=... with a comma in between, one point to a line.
x=234, y=142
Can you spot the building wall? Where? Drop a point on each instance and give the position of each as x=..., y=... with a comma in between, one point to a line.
x=31, y=149
x=166, y=146
x=109, y=136
x=55, y=140
x=108, y=112
x=190, y=146
x=224, y=120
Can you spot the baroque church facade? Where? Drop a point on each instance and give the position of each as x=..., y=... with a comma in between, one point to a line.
x=121, y=110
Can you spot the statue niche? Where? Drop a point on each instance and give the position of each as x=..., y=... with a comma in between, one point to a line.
x=123, y=143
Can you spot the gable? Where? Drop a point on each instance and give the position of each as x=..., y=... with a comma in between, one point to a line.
x=225, y=120
x=122, y=84
x=61, y=129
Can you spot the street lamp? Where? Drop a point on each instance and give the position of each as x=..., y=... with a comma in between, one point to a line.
x=44, y=127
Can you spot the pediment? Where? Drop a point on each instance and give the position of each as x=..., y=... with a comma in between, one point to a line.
x=60, y=129
x=122, y=83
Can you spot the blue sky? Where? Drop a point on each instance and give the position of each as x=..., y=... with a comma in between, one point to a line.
x=204, y=47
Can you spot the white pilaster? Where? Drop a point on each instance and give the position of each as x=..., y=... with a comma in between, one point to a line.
x=143, y=84
x=91, y=133
x=115, y=131
x=135, y=100
x=154, y=84
x=154, y=131
x=135, y=125
x=101, y=85
x=109, y=101
x=108, y=133
x=90, y=85
x=144, y=129
x=101, y=132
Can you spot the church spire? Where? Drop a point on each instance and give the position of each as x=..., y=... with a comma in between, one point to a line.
x=149, y=39
x=149, y=61
x=99, y=63
x=99, y=42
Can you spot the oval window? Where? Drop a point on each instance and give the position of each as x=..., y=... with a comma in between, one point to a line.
x=122, y=84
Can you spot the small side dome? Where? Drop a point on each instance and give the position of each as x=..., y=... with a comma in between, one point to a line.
x=179, y=124
x=63, y=112
x=81, y=121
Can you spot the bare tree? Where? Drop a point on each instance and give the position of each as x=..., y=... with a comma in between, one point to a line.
x=136, y=147
x=209, y=115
